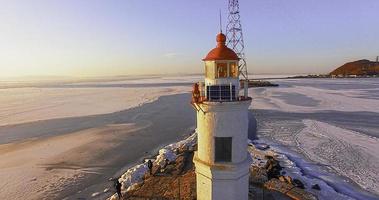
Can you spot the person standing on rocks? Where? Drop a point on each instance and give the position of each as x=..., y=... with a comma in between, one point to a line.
x=166, y=162
x=118, y=188
x=150, y=166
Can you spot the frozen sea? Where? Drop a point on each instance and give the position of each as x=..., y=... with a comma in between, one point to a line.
x=64, y=139
x=327, y=130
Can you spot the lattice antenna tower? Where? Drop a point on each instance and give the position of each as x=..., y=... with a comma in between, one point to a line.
x=235, y=36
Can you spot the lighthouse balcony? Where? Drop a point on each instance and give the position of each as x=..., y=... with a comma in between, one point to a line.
x=216, y=93
x=220, y=93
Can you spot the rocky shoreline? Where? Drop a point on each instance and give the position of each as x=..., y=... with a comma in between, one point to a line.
x=261, y=83
x=173, y=176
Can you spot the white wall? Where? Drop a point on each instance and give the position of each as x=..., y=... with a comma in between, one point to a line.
x=222, y=180
x=227, y=119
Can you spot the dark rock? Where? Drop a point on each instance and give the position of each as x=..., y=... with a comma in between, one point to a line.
x=288, y=179
x=316, y=187
x=260, y=83
x=262, y=146
x=273, y=167
x=289, y=190
x=298, y=183
x=258, y=175
x=282, y=179
x=269, y=157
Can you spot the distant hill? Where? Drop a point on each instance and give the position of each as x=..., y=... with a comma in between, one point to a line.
x=359, y=68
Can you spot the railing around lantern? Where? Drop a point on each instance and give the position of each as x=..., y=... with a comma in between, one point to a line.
x=221, y=93
x=215, y=93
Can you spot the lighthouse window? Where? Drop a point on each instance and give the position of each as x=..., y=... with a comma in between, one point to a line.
x=223, y=149
x=221, y=92
x=209, y=70
x=222, y=70
x=233, y=68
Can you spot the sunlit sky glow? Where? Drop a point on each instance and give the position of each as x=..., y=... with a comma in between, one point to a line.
x=126, y=37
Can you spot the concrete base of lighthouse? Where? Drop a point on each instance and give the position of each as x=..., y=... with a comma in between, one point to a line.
x=222, y=182
x=217, y=180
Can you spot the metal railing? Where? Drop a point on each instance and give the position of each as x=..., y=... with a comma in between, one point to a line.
x=220, y=93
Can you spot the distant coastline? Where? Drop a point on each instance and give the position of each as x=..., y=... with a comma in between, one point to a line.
x=356, y=69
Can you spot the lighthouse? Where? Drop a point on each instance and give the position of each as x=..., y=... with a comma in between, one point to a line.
x=221, y=160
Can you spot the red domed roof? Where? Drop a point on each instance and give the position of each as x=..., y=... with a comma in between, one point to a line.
x=221, y=52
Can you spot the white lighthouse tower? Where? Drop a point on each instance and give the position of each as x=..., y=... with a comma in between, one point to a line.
x=221, y=160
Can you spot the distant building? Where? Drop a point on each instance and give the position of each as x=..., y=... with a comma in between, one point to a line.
x=222, y=161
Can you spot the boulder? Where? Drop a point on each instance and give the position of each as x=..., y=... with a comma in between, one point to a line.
x=316, y=187
x=300, y=194
x=262, y=146
x=298, y=183
x=258, y=175
x=288, y=179
x=275, y=184
x=273, y=168
x=282, y=179
x=289, y=190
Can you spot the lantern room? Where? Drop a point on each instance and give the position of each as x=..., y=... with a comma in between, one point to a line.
x=221, y=73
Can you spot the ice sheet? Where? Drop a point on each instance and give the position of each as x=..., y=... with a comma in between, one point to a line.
x=347, y=100
x=20, y=105
x=348, y=152
x=330, y=124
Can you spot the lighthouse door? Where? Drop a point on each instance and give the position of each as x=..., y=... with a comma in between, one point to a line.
x=223, y=149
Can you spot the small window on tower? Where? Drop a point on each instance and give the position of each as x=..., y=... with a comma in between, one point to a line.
x=223, y=149
x=233, y=68
x=222, y=70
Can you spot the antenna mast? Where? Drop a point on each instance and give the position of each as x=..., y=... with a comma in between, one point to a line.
x=220, y=22
x=235, y=37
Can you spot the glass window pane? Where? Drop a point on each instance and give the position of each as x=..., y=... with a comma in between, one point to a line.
x=209, y=70
x=222, y=70
x=221, y=93
x=233, y=68
x=223, y=149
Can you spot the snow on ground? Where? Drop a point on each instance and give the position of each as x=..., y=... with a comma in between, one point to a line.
x=27, y=104
x=292, y=170
x=168, y=152
x=320, y=123
x=350, y=153
x=135, y=174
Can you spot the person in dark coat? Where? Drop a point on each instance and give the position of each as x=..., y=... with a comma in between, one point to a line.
x=118, y=188
x=166, y=162
x=150, y=166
